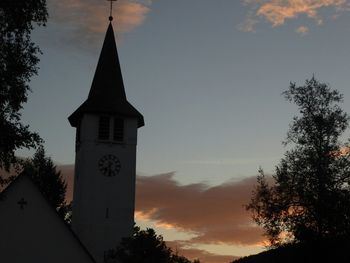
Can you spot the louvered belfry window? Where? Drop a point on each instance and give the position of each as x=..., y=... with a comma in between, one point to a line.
x=103, y=128
x=118, y=132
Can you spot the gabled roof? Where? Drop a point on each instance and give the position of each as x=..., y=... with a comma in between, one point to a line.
x=35, y=232
x=107, y=93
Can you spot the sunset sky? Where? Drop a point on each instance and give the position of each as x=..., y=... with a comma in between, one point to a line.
x=207, y=76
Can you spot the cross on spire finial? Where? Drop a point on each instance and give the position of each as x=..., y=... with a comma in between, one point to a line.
x=111, y=8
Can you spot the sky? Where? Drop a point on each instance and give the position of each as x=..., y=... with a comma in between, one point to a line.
x=208, y=77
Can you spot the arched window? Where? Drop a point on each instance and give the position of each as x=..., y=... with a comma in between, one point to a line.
x=103, y=128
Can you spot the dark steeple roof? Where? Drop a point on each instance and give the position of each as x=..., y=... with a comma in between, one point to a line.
x=107, y=93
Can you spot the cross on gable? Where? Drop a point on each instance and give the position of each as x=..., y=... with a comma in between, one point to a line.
x=22, y=203
x=111, y=8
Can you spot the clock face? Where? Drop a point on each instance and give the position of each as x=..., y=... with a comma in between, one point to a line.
x=109, y=165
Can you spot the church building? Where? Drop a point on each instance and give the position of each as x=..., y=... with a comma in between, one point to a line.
x=104, y=183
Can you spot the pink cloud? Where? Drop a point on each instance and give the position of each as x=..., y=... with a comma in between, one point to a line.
x=277, y=12
x=216, y=214
x=82, y=23
x=67, y=172
x=202, y=255
x=92, y=15
x=302, y=30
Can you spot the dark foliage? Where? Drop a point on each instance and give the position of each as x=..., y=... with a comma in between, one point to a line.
x=310, y=197
x=50, y=182
x=145, y=246
x=18, y=63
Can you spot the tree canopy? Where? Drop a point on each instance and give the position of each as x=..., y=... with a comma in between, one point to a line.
x=18, y=63
x=145, y=246
x=309, y=198
x=50, y=182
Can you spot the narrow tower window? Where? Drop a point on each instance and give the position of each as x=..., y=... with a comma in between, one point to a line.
x=118, y=133
x=77, y=136
x=103, y=128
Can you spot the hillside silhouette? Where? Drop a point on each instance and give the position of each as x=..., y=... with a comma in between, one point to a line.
x=326, y=251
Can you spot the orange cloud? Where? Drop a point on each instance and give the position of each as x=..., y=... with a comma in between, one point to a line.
x=67, y=172
x=202, y=255
x=216, y=214
x=278, y=11
x=211, y=214
x=342, y=152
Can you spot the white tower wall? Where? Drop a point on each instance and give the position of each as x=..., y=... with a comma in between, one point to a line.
x=103, y=207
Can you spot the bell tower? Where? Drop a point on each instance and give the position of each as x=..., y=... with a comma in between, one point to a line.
x=105, y=165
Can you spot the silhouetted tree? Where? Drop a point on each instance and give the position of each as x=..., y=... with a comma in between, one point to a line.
x=145, y=246
x=50, y=182
x=181, y=259
x=18, y=63
x=310, y=196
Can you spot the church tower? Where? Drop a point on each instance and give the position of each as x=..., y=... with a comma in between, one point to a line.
x=106, y=137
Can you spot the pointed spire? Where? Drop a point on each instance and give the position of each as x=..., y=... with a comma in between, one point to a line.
x=107, y=93
x=108, y=80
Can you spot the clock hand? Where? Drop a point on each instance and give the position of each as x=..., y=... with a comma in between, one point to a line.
x=109, y=168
